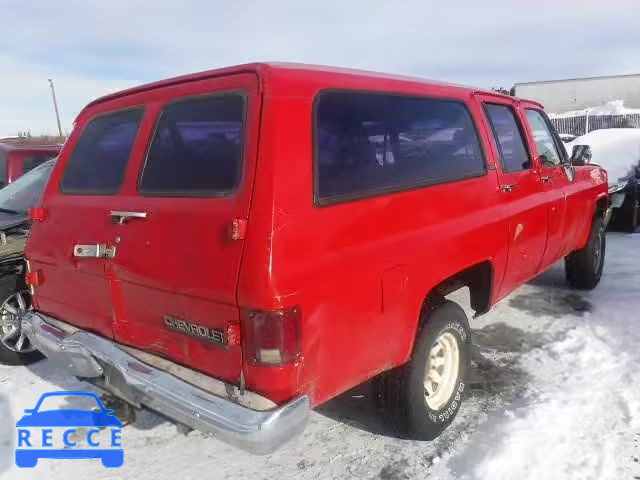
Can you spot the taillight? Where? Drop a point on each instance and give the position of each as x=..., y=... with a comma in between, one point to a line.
x=271, y=337
x=38, y=214
x=34, y=278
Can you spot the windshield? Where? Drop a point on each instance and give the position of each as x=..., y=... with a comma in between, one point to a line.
x=25, y=192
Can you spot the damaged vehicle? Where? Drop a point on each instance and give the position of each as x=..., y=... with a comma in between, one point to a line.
x=235, y=247
x=15, y=298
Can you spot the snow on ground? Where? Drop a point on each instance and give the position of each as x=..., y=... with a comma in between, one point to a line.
x=615, y=149
x=614, y=107
x=555, y=394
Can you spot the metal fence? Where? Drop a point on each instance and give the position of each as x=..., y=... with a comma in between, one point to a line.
x=587, y=123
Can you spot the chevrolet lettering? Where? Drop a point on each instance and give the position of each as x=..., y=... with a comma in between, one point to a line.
x=198, y=331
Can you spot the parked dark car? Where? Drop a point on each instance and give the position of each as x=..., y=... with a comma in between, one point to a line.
x=18, y=159
x=15, y=201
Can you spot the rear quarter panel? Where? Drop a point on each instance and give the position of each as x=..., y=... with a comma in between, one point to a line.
x=360, y=270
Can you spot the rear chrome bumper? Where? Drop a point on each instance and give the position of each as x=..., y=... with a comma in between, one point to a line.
x=101, y=361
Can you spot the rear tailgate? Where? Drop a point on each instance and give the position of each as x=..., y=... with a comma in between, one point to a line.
x=169, y=284
x=76, y=202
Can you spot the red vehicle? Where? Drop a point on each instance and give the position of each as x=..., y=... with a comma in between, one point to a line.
x=234, y=247
x=18, y=159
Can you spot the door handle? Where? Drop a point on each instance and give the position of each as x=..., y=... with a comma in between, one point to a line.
x=120, y=217
x=99, y=250
x=545, y=179
x=508, y=187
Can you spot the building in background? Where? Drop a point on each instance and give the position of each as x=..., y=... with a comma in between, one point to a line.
x=560, y=96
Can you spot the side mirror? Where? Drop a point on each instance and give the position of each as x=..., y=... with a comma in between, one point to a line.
x=581, y=155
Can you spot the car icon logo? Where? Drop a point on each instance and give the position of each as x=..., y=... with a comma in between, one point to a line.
x=36, y=434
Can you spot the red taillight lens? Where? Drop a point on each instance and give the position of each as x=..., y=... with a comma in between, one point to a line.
x=38, y=214
x=34, y=278
x=271, y=337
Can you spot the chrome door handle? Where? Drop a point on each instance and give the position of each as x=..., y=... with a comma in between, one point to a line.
x=120, y=217
x=99, y=250
x=508, y=187
x=546, y=179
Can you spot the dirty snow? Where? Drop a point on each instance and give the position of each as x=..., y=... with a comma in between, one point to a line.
x=615, y=149
x=614, y=107
x=555, y=394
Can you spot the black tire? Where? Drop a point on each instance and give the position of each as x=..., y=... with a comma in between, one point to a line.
x=627, y=217
x=629, y=212
x=8, y=286
x=402, y=390
x=583, y=268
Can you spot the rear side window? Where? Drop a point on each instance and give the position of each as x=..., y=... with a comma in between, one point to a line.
x=369, y=143
x=99, y=160
x=508, y=137
x=196, y=148
x=32, y=161
x=3, y=168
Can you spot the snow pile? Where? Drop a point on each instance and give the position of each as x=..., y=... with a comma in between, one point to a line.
x=615, y=107
x=575, y=425
x=615, y=149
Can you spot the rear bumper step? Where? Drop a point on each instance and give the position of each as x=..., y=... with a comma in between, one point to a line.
x=100, y=360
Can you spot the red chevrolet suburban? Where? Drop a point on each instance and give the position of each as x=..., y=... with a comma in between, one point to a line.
x=18, y=159
x=234, y=247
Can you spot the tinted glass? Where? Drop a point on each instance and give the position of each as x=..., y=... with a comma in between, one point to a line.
x=100, y=157
x=32, y=161
x=3, y=168
x=25, y=192
x=196, y=148
x=508, y=137
x=369, y=143
x=545, y=142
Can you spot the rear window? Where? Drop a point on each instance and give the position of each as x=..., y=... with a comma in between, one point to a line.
x=196, y=148
x=369, y=143
x=99, y=160
x=32, y=161
x=3, y=168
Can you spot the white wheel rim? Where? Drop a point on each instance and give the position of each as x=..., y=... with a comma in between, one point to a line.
x=441, y=374
x=11, y=313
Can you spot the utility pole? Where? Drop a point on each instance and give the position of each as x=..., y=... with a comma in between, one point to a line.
x=55, y=105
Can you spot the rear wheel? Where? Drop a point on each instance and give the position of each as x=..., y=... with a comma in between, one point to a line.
x=15, y=347
x=583, y=268
x=422, y=397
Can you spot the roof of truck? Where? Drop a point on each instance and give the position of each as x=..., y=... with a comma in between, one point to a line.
x=263, y=69
x=6, y=146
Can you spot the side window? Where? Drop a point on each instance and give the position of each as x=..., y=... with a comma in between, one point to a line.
x=371, y=143
x=508, y=137
x=3, y=168
x=32, y=161
x=548, y=150
x=99, y=160
x=196, y=148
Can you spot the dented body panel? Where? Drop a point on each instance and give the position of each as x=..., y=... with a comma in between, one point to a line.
x=359, y=271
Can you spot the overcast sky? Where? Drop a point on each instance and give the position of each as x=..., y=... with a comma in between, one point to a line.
x=92, y=48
